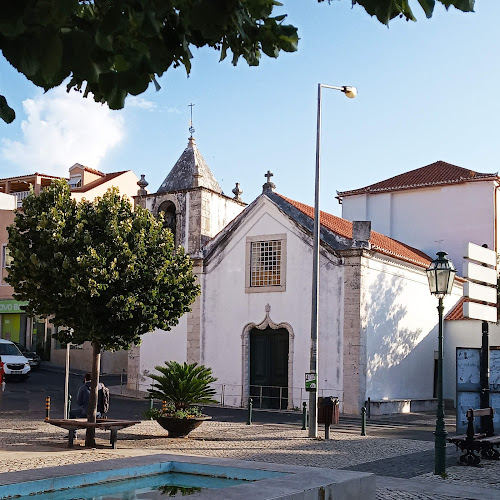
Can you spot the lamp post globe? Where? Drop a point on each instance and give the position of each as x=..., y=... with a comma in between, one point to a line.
x=350, y=92
x=440, y=275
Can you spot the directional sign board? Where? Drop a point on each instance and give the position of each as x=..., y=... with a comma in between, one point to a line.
x=481, y=287
x=481, y=254
x=473, y=310
x=480, y=292
x=479, y=273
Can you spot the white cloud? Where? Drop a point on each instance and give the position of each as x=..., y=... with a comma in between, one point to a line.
x=62, y=129
x=139, y=102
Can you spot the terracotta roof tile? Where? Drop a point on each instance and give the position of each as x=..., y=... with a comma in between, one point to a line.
x=379, y=242
x=439, y=173
x=31, y=175
x=98, y=182
x=457, y=313
x=94, y=171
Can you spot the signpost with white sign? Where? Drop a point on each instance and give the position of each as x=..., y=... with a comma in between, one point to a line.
x=480, y=269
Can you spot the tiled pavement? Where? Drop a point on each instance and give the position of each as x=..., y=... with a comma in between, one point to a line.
x=403, y=467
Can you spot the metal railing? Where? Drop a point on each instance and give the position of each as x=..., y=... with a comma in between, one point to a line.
x=271, y=397
x=278, y=398
x=20, y=196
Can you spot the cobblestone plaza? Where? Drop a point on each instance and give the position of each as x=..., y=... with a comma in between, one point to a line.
x=398, y=463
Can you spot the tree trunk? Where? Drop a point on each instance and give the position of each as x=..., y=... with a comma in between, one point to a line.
x=92, y=412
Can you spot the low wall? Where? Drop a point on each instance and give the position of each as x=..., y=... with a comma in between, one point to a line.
x=391, y=406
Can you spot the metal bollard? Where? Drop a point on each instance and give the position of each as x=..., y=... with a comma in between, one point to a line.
x=250, y=404
x=47, y=408
x=304, y=416
x=363, y=421
x=69, y=405
x=368, y=409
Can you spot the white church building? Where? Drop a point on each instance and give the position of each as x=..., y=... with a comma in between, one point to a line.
x=438, y=207
x=252, y=321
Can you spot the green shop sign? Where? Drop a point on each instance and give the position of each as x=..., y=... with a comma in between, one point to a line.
x=11, y=306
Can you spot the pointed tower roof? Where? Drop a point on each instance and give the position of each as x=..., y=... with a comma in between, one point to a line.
x=190, y=171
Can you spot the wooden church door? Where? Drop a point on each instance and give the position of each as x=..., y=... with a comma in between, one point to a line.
x=269, y=368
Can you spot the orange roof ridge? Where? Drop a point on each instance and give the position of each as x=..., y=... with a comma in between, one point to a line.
x=381, y=243
x=32, y=175
x=98, y=182
x=438, y=173
x=93, y=171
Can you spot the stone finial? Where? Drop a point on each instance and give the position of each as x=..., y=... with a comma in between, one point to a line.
x=268, y=186
x=237, y=192
x=142, y=183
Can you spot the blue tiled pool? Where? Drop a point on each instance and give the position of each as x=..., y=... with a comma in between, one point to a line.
x=147, y=482
x=170, y=484
x=162, y=476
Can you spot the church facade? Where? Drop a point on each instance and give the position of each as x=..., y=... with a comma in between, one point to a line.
x=252, y=321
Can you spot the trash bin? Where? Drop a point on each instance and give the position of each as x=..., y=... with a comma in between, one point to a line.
x=328, y=411
x=325, y=410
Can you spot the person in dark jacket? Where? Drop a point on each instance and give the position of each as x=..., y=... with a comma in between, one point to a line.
x=82, y=399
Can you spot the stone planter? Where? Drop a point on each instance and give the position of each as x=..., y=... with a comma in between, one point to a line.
x=180, y=427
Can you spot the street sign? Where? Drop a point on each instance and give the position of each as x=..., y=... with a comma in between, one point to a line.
x=480, y=292
x=481, y=254
x=480, y=270
x=483, y=312
x=479, y=273
x=311, y=382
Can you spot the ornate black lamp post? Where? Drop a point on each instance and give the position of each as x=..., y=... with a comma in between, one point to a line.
x=441, y=274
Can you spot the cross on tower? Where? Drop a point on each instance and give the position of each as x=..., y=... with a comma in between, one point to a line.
x=268, y=186
x=191, y=128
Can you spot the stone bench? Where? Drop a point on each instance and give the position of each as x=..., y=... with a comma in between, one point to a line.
x=74, y=424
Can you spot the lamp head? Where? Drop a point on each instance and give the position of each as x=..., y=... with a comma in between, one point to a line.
x=350, y=92
x=441, y=274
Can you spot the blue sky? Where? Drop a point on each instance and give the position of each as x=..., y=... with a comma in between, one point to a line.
x=428, y=91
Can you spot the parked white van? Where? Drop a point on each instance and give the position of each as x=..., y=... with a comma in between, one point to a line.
x=14, y=363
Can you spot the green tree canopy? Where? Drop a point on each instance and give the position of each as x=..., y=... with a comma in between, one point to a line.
x=113, y=48
x=106, y=272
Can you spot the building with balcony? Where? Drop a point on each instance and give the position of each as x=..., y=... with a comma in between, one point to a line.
x=36, y=333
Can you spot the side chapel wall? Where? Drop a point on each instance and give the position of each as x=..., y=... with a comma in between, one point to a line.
x=401, y=330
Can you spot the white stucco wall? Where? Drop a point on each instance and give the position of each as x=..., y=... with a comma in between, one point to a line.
x=160, y=346
x=227, y=308
x=126, y=184
x=222, y=211
x=7, y=202
x=431, y=219
x=462, y=333
x=401, y=330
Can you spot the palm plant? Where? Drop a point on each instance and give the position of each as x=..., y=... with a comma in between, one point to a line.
x=183, y=385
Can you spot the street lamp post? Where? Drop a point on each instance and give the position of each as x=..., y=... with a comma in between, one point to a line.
x=350, y=92
x=440, y=274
